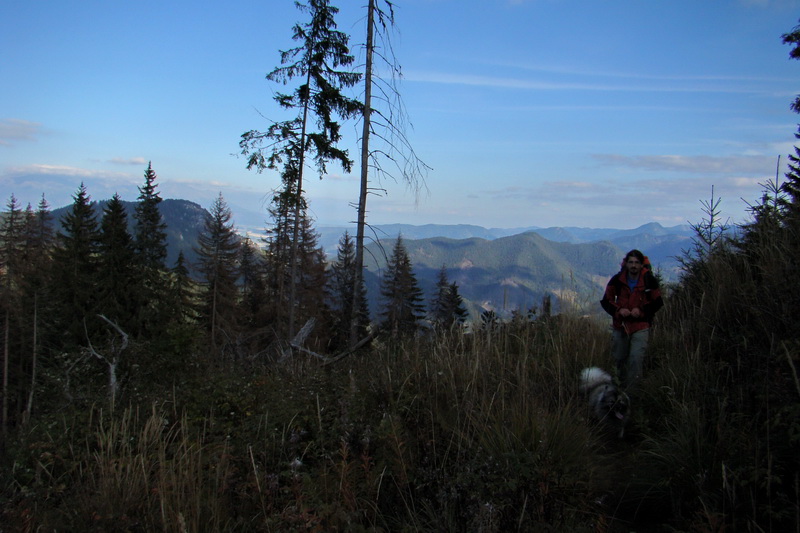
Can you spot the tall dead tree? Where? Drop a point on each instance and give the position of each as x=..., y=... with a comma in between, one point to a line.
x=384, y=120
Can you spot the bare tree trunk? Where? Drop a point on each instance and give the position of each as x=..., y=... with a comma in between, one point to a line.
x=6, y=354
x=113, y=360
x=29, y=406
x=297, y=211
x=362, y=197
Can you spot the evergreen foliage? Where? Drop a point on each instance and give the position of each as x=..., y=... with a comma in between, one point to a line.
x=470, y=431
x=447, y=307
x=182, y=293
x=319, y=97
x=403, y=306
x=74, y=278
x=116, y=274
x=150, y=229
x=348, y=303
x=150, y=245
x=218, y=267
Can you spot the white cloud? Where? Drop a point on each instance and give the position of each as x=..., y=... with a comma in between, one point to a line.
x=15, y=129
x=719, y=84
x=701, y=164
x=138, y=161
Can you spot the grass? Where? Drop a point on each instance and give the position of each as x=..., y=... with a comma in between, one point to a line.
x=479, y=431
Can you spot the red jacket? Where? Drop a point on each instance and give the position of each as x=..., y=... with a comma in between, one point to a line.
x=646, y=296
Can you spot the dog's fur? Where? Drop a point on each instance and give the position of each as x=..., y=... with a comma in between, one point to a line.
x=608, y=404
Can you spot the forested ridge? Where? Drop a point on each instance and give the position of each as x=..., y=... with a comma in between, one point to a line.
x=263, y=394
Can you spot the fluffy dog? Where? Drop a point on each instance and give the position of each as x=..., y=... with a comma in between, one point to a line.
x=608, y=404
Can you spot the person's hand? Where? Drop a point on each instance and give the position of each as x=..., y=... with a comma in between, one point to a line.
x=636, y=312
x=624, y=313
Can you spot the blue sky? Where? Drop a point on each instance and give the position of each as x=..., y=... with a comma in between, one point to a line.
x=529, y=112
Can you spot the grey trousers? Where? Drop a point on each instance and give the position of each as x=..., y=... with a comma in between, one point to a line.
x=629, y=352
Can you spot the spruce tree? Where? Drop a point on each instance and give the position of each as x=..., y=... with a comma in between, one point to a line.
x=11, y=245
x=117, y=274
x=343, y=292
x=36, y=306
x=150, y=234
x=277, y=271
x=312, y=281
x=318, y=99
x=150, y=245
x=75, y=260
x=218, y=258
x=447, y=307
x=403, y=306
x=253, y=290
x=182, y=303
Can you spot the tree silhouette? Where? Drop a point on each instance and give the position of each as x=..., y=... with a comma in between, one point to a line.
x=218, y=256
x=317, y=100
x=403, y=306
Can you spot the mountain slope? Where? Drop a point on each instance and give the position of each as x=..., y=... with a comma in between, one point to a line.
x=508, y=273
x=184, y=220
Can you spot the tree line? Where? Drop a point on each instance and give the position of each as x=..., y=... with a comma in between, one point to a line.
x=92, y=292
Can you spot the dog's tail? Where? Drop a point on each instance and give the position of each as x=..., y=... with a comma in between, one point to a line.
x=592, y=377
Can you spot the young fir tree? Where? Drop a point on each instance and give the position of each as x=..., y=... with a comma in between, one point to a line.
x=150, y=244
x=312, y=280
x=447, y=307
x=309, y=297
x=75, y=262
x=218, y=258
x=150, y=235
x=36, y=307
x=403, y=306
x=11, y=245
x=277, y=272
x=253, y=290
x=318, y=100
x=117, y=273
x=348, y=302
x=182, y=290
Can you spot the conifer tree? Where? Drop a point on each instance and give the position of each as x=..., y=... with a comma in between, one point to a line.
x=218, y=257
x=447, y=307
x=150, y=244
x=318, y=99
x=116, y=277
x=150, y=235
x=253, y=290
x=312, y=280
x=277, y=272
x=182, y=303
x=403, y=306
x=11, y=243
x=75, y=258
x=346, y=310
x=36, y=305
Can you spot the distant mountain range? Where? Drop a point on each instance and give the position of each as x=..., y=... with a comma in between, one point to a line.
x=499, y=269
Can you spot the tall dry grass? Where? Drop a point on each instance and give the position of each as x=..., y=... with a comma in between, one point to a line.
x=481, y=431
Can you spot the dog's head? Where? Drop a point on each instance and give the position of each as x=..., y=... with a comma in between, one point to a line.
x=612, y=405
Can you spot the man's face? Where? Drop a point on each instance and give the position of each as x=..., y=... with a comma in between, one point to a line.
x=634, y=266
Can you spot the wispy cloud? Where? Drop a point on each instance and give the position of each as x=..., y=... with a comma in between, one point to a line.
x=701, y=164
x=604, y=82
x=15, y=129
x=641, y=200
x=137, y=161
x=59, y=182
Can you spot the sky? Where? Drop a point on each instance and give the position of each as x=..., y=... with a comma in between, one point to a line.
x=603, y=114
